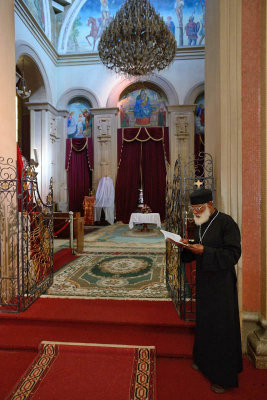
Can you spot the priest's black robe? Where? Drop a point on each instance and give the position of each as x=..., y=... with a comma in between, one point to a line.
x=217, y=346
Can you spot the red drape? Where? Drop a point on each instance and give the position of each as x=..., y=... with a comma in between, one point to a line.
x=141, y=156
x=20, y=172
x=79, y=162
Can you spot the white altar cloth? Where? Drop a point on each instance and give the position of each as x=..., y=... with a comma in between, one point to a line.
x=140, y=218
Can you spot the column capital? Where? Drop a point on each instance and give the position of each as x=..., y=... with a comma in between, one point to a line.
x=104, y=111
x=182, y=108
x=47, y=107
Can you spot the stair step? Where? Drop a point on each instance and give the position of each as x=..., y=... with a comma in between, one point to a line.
x=99, y=321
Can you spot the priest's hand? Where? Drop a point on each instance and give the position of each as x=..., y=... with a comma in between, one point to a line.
x=196, y=248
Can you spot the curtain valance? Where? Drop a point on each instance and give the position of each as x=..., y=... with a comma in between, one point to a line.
x=79, y=145
x=144, y=134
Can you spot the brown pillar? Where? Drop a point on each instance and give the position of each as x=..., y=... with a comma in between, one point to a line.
x=254, y=173
x=7, y=81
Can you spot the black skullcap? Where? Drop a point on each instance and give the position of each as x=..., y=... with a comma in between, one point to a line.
x=200, y=196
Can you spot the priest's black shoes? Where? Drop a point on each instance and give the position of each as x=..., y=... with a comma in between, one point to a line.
x=217, y=388
x=195, y=367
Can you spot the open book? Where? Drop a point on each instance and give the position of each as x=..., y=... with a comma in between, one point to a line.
x=173, y=236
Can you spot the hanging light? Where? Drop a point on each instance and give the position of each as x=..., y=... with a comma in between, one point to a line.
x=21, y=87
x=137, y=41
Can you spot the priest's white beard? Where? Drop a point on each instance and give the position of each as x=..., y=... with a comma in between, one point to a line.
x=203, y=217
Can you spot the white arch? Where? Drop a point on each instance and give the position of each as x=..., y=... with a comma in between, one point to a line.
x=67, y=25
x=158, y=81
x=21, y=48
x=69, y=94
x=195, y=91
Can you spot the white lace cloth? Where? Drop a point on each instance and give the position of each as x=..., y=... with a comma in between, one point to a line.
x=140, y=218
x=104, y=198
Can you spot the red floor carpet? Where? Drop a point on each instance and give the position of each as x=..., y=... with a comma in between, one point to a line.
x=89, y=371
x=134, y=322
x=63, y=257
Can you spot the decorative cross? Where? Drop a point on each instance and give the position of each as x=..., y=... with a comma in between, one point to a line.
x=198, y=183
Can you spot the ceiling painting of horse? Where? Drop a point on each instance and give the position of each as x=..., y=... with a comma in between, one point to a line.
x=185, y=19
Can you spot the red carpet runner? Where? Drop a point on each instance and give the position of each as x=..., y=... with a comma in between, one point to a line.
x=89, y=371
x=63, y=257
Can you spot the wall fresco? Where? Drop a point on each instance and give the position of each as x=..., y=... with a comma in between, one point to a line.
x=79, y=120
x=36, y=7
x=143, y=107
x=200, y=115
x=185, y=18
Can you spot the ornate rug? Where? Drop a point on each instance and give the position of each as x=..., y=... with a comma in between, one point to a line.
x=109, y=275
x=119, y=237
x=89, y=371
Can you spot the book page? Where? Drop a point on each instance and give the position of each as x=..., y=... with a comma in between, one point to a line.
x=173, y=236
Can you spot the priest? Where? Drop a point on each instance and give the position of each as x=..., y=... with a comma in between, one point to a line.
x=216, y=249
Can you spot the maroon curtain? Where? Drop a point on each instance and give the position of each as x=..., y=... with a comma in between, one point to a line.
x=79, y=161
x=128, y=181
x=132, y=144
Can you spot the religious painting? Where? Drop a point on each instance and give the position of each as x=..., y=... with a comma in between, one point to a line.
x=200, y=115
x=36, y=7
x=185, y=19
x=143, y=107
x=79, y=120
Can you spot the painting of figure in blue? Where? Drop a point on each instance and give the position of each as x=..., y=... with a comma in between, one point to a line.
x=200, y=115
x=171, y=25
x=79, y=121
x=143, y=107
x=95, y=15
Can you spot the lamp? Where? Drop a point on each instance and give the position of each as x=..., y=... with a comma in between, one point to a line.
x=137, y=41
x=21, y=87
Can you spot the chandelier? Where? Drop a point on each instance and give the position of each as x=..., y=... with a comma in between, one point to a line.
x=137, y=41
x=21, y=87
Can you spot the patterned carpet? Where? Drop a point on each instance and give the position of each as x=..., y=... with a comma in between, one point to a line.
x=117, y=262
x=102, y=275
x=119, y=237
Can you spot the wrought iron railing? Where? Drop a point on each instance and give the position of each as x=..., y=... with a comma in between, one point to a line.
x=180, y=277
x=26, y=238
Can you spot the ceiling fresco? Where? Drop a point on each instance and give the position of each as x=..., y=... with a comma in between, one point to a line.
x=186, y=20
x=36, y=8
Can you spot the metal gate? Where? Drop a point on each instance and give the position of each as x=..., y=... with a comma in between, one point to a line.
x=180, y=277
x=26, y=238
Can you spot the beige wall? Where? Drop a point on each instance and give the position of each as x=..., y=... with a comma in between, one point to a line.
x=7, y=81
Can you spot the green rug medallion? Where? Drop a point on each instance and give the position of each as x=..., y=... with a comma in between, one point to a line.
x=101, y=275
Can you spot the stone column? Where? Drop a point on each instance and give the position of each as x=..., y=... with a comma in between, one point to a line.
x=181, y=131
x=105, y=125
x=47, y=137
x=59, y=171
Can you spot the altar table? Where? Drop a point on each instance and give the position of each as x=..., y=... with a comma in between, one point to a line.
x=145, y=219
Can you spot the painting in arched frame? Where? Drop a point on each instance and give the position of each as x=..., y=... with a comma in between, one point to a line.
x=79, y=120
x=143, y=106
